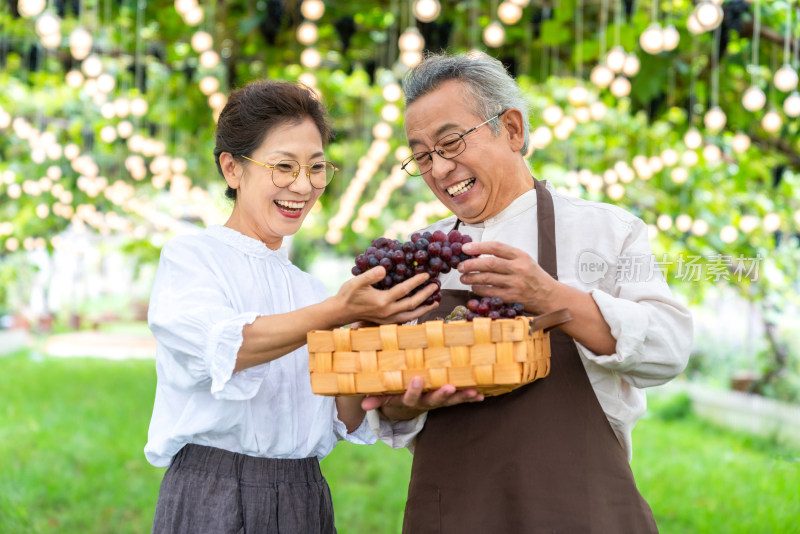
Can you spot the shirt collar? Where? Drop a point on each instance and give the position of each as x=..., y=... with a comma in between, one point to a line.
x=245, y=244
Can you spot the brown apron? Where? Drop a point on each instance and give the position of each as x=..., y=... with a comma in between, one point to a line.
x=542, y=458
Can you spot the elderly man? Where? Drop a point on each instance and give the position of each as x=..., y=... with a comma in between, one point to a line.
x=552, y=456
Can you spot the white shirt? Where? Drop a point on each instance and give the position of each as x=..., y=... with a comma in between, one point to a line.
x=605, y=251
x=207, y=288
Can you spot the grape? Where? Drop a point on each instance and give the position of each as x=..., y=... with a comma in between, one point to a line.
x=425, y=252
x=439, y=236
x=491, y=307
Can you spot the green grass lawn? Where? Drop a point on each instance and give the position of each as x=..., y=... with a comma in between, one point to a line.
x=72, y=433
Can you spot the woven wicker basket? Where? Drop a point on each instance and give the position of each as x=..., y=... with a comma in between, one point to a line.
x=492, y=356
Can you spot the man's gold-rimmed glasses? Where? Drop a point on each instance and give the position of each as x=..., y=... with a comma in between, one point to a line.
x=447, y=147
x=286, y=171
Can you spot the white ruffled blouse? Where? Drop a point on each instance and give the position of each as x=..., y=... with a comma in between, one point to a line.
x=208, y=287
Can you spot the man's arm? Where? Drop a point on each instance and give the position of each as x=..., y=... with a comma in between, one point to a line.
x=511, y=274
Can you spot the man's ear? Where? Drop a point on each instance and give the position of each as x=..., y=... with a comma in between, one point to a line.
x=231, y=169
x=515, y=131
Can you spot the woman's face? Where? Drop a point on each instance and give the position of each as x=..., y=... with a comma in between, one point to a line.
x=262, y=210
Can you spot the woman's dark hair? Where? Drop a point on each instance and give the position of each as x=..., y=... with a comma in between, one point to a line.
x=254, y=110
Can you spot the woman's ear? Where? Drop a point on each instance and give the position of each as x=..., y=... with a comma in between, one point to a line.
x=230, y=169
x=514, y=126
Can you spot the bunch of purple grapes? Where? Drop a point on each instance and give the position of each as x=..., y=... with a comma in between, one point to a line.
x=491, y=307
x=427, y=252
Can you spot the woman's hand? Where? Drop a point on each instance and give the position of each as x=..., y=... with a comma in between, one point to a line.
x=414, y=402
x=359, y=301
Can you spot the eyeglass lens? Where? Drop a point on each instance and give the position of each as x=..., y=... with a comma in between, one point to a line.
x=285, y=172
x=448, y=147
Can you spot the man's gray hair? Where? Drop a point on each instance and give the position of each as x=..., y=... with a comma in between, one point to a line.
x=486, y=80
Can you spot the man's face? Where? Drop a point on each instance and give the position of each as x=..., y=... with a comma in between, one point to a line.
x=471, y=185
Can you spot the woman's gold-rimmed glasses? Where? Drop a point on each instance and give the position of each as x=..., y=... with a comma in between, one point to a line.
x=286, y=171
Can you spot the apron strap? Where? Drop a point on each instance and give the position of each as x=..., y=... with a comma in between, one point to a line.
x=545, y=215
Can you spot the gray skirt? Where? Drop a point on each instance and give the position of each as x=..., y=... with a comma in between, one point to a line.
x=209, y=490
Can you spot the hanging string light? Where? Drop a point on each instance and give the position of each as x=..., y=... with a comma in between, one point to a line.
x=80, y=43
x=670, y=34
x=709, y=15
x=772, y=121
x=312, y=9
x=202, y=41
x=652, y=38
x=791, y=105
x=494, y=35
x=616, y=56
x=740, y=142
x=427, y=10
x=30, y=8
x=786, y=77
x=620, y=87
x=601, y=74
x=411, y=43
x=509, y=12
x=307, y=33
x=715, y=118
x=754, y=98
x=578, y=95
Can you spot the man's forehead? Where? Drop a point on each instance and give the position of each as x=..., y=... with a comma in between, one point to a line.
x=437, y=116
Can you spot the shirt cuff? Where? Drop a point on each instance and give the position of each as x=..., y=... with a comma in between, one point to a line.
x=363, y=435
x=396, y=434
x=628, y=322
x=224, y=342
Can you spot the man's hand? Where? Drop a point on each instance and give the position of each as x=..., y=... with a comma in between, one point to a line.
x=509, y=273
x=512, y=275
x=414, y=402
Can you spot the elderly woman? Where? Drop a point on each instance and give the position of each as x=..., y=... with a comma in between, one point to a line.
x=234, y=417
